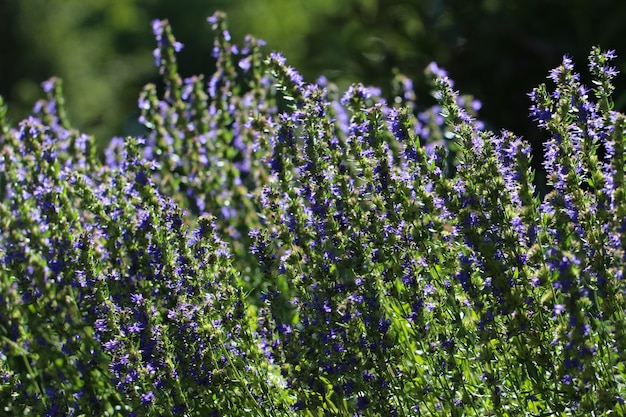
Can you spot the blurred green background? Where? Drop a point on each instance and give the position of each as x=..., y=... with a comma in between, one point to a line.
x=497, y=50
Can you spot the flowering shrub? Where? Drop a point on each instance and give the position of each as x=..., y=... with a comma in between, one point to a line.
x=109, y=302
x=272, y=247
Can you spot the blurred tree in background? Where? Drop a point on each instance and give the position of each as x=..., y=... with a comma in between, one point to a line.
x=102, y=49
x=497, y=50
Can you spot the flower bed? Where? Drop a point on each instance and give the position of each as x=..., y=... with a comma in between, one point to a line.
x=273, y=247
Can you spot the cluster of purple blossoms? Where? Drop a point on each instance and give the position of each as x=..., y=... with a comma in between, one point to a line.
x=109, y=302
x=275, y=247
x=398, y=272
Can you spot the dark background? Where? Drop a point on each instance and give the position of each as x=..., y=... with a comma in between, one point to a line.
x=497, y=50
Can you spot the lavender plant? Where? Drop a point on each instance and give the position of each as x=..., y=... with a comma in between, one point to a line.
x=110, y=304
x=401, y=290
x=274, y=247
x=204, y=134
x=200, y=135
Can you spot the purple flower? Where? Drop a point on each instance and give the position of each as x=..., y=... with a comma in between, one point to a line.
x=566, y=379
x=244, y=64
x=157, y=57
x=147, y=398
x=557, y=310
x=434, y=69
x=48, y=85
x=213, y=20
x=157, y=28
x=566, y=68
x=362, y=402
x=278, y=58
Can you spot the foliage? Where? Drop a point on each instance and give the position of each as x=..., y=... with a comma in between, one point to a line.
x=274, y=247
